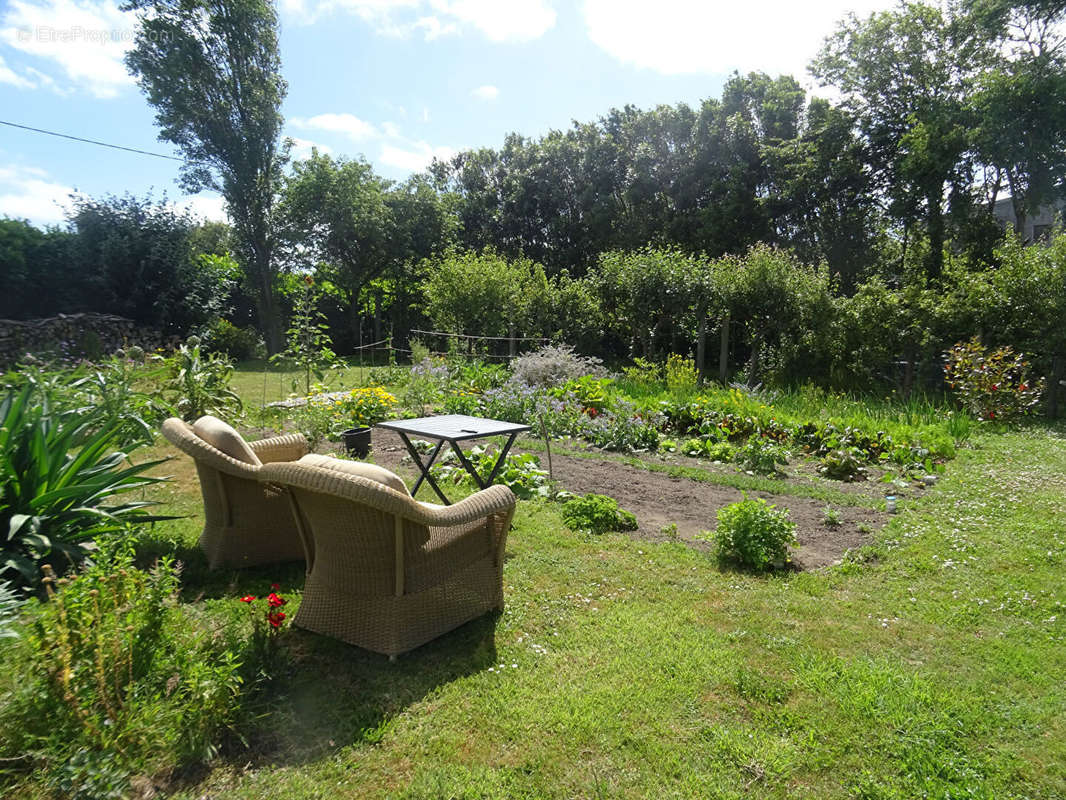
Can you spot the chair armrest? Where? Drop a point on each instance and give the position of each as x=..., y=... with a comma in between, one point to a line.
x=496, y=499
x=289, y=447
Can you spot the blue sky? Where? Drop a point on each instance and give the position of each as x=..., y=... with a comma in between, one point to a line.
x=397, y=81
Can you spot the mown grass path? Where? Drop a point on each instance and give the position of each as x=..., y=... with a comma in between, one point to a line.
x=628, y=669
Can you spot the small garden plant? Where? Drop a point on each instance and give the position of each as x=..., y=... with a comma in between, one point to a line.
x=992, y=385
x=597, y=513
x=842, y=465
x=754, y=534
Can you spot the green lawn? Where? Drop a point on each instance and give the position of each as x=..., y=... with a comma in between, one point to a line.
x=936, y=667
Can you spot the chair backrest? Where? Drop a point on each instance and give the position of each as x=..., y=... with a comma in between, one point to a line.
x=180, y=434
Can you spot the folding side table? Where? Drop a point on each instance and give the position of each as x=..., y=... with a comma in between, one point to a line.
x=453, y=428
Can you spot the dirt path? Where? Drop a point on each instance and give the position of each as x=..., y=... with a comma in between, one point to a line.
x=659, y=501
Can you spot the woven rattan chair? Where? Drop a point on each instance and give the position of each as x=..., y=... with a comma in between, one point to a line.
x=386, y=572
x=246, y=522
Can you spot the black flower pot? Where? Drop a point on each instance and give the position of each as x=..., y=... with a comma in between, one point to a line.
x=357, y=442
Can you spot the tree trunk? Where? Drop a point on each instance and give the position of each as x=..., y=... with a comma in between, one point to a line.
x=723, y=351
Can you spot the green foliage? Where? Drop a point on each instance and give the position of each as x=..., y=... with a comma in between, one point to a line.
x=643, y=377
x=843, y=464
x=593, y=394
x=760, y=456
x=597, y=513
x=113, y=680
x=624, y=428
x=521, y=473
x=831, y=517
x=992, y=385
x=198, y=62
x=199, y=383
x=308, y=344
x=554, y=364
x=682, y=379
x=238, y=344
x=61, y=475
x=754, y=533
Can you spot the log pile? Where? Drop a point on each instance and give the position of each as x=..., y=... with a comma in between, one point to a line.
x=73, y=336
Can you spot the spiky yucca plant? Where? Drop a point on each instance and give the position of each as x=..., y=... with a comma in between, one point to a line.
x=61, y=471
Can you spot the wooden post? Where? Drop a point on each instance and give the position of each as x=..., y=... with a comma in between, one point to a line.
x=701, y=346
x=723, y=351
x=510, y=341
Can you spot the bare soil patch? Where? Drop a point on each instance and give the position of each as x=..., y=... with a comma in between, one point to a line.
x=660, y=500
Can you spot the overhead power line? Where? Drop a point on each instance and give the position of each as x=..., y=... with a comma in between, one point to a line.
x=90, y=141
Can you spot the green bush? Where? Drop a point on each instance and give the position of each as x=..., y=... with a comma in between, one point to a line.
x=110, y=679
x=992, y=385
x=597, y=513
x=592, y=393
x=842, y=465
x=682, y=379
x=760, y=456
x=239, y=344
x=754, y=533
x=61, y=472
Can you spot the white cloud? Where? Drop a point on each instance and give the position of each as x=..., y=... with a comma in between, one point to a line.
x=86, y=39
x=697, y=37
x=301, y=148
x=209, y=206
x=7, y=75
x=28, y=193
x=486, y=92
x=348, y=124
x=497, y=20
x=413, y=156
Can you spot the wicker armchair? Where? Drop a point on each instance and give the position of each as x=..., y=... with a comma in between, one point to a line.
x=246, y=522
x=386, y=572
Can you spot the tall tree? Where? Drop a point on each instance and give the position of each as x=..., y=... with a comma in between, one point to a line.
x=1021, y=101
x=211, y=70
x=907, y=76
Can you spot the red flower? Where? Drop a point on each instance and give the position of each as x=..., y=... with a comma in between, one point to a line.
x=275, y=618
x=995, y=387
x=275, y=586
x=248, y=598
x=1022, y=388
x=275, y=601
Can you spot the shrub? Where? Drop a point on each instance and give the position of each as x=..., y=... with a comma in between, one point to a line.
x=198, y=383
x=593, y=394
x=109, y=679
x=831, y=517
x=554, y=364
x=644, y=375
x=992, y=385
x=760, y=456
x=754, y=533
x=842, y=465
x=597, y=513
x=60, y=475
x=682, y=379
x=623, y=429
x=240, y=344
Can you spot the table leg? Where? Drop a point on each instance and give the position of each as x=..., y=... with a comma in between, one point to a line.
x=424, y=468
x=482, y=483
x=468, y=466
x=503, y=456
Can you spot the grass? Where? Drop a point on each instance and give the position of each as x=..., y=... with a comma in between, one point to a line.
x=931, y=665
x=623, y=668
